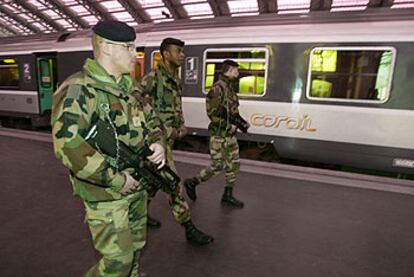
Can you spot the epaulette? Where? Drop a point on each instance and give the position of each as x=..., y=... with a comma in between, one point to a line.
x=74, y=91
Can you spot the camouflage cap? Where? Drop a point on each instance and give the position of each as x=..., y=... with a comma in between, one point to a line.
x=114, y=30
x=170, y=41
x=231, y=63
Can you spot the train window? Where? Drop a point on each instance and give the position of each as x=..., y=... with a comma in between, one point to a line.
x=155, y=58
x=9, y=74
x=352, y=74
x=138, y=71
x=252, y=68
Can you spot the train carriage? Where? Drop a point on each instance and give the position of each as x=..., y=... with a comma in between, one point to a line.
x=327, y=90
x=27, y=82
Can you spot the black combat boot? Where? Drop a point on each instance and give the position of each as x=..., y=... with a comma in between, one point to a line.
x=195, y=236
x=190, y=187
x=152, y=222
x=229, y=200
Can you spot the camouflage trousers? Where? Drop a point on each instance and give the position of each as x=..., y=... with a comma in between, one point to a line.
x=118, y=231
x=224, y=152
x=179, y=206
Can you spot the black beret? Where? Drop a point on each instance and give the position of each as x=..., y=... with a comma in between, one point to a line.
x=170, y=41
x=231, y=63
x=114, y=30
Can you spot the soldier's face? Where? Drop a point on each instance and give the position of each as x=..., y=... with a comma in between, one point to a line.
x=175, y=55
x=233, y=72
x=123, y=56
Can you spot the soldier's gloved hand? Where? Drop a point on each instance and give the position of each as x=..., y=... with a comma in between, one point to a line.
x=182, y=132
x=158, y=157
x=233, y=128
x=130, y=183
x=247, y=126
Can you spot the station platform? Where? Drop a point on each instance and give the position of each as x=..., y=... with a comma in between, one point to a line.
x=289, y=227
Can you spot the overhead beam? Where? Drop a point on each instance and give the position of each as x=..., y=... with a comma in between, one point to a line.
x=66, y=13
x=320, y=5
x=224, y=8
x=219, y=7
x=135, y=10
x=41, y=16
x=97, y=10
x=272, y=6
x=4, y=33
x=179, y=8
x=20, y=9
x=176, y=10
x=8, y=29
x=214, y=7
x=19, y=20
x=11, y=24
x=380, y=3
x=263, y=6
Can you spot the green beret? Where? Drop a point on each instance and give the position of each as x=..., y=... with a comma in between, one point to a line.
x=231, y=63
x=170, y=41
x=115, y=31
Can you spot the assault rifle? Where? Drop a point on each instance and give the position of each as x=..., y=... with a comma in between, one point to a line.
x=234, y=119
x=102, y=137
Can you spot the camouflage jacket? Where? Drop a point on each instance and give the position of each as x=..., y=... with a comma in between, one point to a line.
x=165, y=91
x=220, y=96
x=76, y=107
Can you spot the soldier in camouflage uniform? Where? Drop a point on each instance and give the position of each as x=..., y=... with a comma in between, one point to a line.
x=221, y=102
x=163, y=85
x=115, y=203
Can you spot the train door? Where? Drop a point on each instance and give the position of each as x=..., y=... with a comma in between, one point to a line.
x=46, y=80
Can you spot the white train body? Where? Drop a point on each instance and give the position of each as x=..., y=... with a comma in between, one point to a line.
x=289, y=106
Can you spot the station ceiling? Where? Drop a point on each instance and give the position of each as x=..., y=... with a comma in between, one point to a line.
x=28, y=17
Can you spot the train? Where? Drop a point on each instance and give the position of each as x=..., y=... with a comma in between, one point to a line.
x=324, y=87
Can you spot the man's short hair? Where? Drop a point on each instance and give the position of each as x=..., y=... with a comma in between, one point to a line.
x=227, y=64
x=170, y=41
x=114, y=31
x=231, y=63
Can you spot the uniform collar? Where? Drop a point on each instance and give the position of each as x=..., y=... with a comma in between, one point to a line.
x=164, y=71
x=225, y=79
x=107, y=82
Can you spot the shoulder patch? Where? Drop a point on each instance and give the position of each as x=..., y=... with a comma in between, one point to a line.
x=74, y=91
